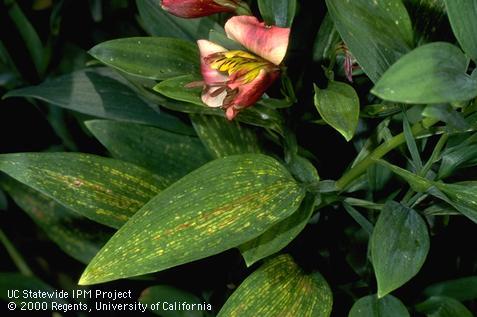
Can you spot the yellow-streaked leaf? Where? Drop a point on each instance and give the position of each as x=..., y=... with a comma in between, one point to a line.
x=217, y=207
x=105, y=190
x=280, y=288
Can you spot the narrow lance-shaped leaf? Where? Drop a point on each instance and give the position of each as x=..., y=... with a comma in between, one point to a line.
x=217, y=207
x=399, y=246
x=377, y=32
x=166, y=154
x=280, y=234
x=432, y=73
x=338, y=105
x=461, y=197
x=105, y=190
x=149, y=57
x=223, y=138
x=98, y=92
x=464, y=24
x=75, y=235
x=372, y=306
x=280, y=288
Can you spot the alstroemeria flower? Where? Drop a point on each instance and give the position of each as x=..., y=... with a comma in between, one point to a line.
x=234, y=80
x=200, y=8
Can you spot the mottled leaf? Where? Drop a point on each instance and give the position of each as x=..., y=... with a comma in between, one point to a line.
x=338, y=105
x=278, y=12
x=166, y=154
x=440, y=306
x=464, y=24
x=462, y=289
x=377, y=32
x=223, y=138
x=105, y=190
x=280, y=234
x=75, y=235
x=280, y=288
x=100, y=94
x=399, y=246
x=432, y=73
x=217, y=207
x=372, y=306
x=157, y=22
x=149, y=57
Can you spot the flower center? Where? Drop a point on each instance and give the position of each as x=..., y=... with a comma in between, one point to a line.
x=241, y=66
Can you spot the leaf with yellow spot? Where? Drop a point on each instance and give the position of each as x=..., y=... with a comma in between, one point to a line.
x=217, y=207
x=223, y=138
x=105, y=190
x=280, y=288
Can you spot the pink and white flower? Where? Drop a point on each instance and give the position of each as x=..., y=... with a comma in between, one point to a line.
x=236, y=79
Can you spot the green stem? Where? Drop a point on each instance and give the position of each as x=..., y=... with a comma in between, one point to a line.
x=15, y=255
x=380, y=151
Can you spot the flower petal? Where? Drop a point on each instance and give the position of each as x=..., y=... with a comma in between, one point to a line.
x=210, y=75
x=194, y=8
x=250, y=93
x=268, y=42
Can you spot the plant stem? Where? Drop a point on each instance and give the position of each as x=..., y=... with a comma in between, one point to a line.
x=380, y=151
x=15, y=255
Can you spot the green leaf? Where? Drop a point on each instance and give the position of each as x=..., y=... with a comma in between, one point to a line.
x=432, y=73
x=411, y=144
x=157, y=22
x=280, y=234
x=16, y=281
x=359, y=218
x=303, y=170
x=105, y=190
x=280, y=288
x=223, y=138
x=278, y=12
x=380, y=110
x=99, y=93
x=440, y=306
x=167, y=294
x=338, y=105
x=399, y=246
x=461, y=197
x=29, y=36
x=464, y=24
x=217, y=207
x=417, y=183
x=376, y=32
x=166, y=154
x=74, y=234
x=462, y=289
x=372, y=306
x=176, y=88
x=149, y=57
x=457, y=158
x=455, y=121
